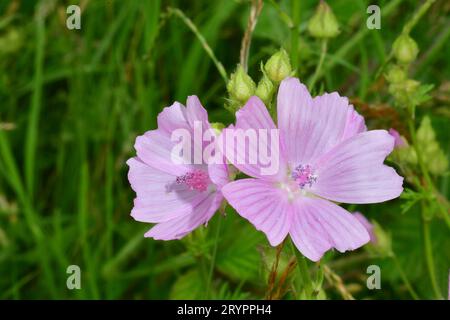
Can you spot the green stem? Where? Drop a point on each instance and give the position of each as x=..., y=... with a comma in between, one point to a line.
x=294, y=32
x=323, y=52
x=213, y=258
x=307, y=284
x=188, y=22
x=411, y=290
x=36, y=103
x=406, y=30
x=445, y=214
x=283, y=15
x=425, y=220
x=345, y=51
x=255, y=11
x=424, y=169
x=416, y=17
x=429, y=253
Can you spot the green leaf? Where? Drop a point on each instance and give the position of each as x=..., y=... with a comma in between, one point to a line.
x=411, y=198
x=188, y=286
x=238, y=255
x=226, y=293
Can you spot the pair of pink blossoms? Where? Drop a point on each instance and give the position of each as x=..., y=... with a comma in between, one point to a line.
x=326, y=156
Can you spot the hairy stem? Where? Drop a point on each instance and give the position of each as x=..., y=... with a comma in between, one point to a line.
x=336, y=281
x=273, y=272
x=323, y=52
x=416, y=17
x=303, y=270
x=294, y=33
x=411, y=290
x=255, y=11
x=213, y=258
x=188, y=22
x=425, y=220
x=429, y=253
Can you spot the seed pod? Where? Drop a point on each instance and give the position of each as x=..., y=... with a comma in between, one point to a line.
x=405, y=49
x=278, y=66
x=323, y=23
x=241, y=86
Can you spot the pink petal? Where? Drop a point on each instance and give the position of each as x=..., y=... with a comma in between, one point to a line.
x=399, y=142
x=353, y=171
x=264, y=205
x=366, y=224
x=355, y=124
x=179, y=227
x=294, y=117
x=310, y=127
x=172, y=118
x=158, y=199
x=319, y=225
x=253, y=117
x=155, y=148
x=177, y=117
x=218, y=173
x=195, y=111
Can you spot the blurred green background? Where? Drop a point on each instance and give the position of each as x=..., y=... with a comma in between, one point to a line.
x=73, y=101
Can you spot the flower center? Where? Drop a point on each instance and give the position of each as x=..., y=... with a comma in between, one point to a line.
x=195, y=180
x=304, y=175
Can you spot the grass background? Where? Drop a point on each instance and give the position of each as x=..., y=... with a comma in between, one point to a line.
x=73, y=101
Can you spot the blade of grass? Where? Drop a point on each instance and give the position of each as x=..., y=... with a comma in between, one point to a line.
x=33, y=118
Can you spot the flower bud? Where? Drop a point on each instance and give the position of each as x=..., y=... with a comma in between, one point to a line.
x=403, y=91
x=430, y=149
x=405, y=49
x=241, y=86
x=278, y=66
x=395, y=74
x=380, y=241
x=323, y=23
x=403, y=153
x=367, y=225
x=265, y=90
x=217, y=127
x=383, y=245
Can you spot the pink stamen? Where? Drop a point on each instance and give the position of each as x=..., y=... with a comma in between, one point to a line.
x=304, y=175
x=195, y=180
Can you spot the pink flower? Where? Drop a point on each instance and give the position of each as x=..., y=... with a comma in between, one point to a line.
x=326, y=156
x=398, y=140
x=177, y=197
x=366, y=223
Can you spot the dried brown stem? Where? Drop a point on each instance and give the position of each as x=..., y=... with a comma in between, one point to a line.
x=336, y=281
x=255, y=11
x=273, y=272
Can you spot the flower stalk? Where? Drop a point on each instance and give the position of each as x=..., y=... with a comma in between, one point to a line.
x=255, y=11
x=303, y=270
x=316, y=74
x=213, y=258
x=424, y=216
x=188, y=22
x=429, y=252
x=408, y=285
